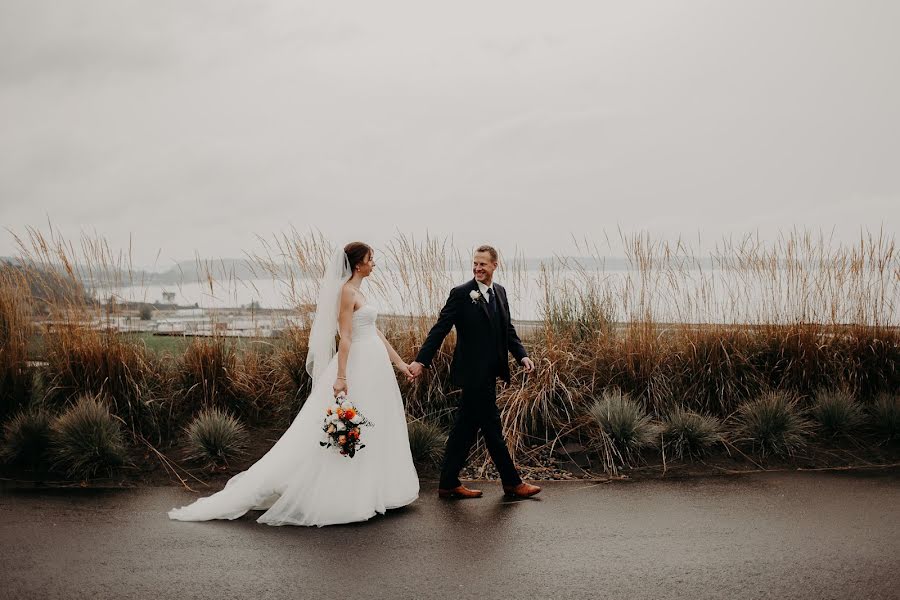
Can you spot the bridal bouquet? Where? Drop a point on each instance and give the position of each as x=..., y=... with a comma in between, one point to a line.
x=341, y=427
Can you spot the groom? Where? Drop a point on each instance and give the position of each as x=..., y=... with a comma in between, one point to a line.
x=484, y=334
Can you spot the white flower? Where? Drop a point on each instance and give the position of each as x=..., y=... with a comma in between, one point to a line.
x=334, y=418
x=339, y=425
x=356, y=419
x=346, y=404
x=335, y=408
x=475, y=295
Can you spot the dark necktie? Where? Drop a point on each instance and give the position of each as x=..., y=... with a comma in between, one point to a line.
x=492, y=302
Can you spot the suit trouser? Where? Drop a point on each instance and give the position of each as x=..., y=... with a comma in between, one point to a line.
x=477, y=410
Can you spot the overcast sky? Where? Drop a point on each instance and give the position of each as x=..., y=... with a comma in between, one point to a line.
x=196, y=126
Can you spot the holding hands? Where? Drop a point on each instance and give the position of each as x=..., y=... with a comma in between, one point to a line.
x=415, y=370
x=405, y=369
x=412, y=371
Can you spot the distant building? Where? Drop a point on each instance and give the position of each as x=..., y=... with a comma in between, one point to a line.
x=168, y=297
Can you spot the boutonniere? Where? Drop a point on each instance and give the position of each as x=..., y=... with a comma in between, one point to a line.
x=475, y=295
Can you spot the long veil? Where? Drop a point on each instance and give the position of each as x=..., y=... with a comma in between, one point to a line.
x=325, y=323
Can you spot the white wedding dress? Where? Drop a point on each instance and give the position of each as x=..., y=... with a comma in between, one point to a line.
x=299, y=482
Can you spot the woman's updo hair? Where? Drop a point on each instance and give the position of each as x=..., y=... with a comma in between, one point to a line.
x=356, y=253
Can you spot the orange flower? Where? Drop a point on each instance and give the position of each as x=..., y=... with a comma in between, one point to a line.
x=354, y=433
x=328, y=411
x=349, y=413
x=340, y=413
x=342, y=440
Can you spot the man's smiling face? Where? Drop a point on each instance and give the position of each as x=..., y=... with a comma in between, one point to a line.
x=483, y=267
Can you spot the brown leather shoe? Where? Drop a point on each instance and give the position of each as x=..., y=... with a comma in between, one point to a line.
x=459, y=492
x=523, y=490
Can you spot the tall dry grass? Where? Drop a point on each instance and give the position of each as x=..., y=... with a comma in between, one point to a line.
x=101, y=363
x=672, y=325
x=15, y=329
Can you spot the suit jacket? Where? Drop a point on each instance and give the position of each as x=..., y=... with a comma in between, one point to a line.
x=477, y=337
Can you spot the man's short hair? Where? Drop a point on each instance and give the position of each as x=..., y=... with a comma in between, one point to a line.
x=489, y=249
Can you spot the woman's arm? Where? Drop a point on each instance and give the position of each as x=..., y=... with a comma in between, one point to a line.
x=395, y=358
x=345, y=328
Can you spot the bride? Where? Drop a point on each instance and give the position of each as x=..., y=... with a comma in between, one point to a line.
x=299, y=482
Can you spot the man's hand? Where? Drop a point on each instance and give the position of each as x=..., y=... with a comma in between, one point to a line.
x=415, y=369
x=404, y=368
x=529, y=366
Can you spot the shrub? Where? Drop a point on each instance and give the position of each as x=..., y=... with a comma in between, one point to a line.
x=27, y=439
x=793, y=357
x=711, y=369
x=146, y=312
x=624, y=424
x=38, y=390
x=426, y=442
x=772, y=424
x=86, y=361
x=547, y=400
x=214, y=437
x=83, y=361
x=885, y=416
x=209, y=376
x=87, y=439
x=837, y=412
x=259, y=381
x=15, y=327
x=578, y=313
x=687, y=433
x=291, y=360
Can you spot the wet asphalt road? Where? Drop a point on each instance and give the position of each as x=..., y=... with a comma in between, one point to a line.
x=773, y=535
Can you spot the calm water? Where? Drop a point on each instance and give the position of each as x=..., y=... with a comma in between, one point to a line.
x=711, y=295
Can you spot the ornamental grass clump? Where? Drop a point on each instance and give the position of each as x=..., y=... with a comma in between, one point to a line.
x=548, y=400
x=259, y=381
x=884, y=415
x=579, y=312
x=426, y=442
x=210, y=377
x=214, y=437
x=86, y=439
x=27, y=439
x=624, y=428
x=688, y=433
x=837, y=413
x=290, y=358
x=86, y=361
x=772, y=425
x=709, y=369
x=15, y=328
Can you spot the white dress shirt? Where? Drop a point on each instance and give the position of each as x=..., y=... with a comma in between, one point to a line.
x=484, y=288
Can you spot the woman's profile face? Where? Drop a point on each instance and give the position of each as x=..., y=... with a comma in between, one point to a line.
x=367, y=265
